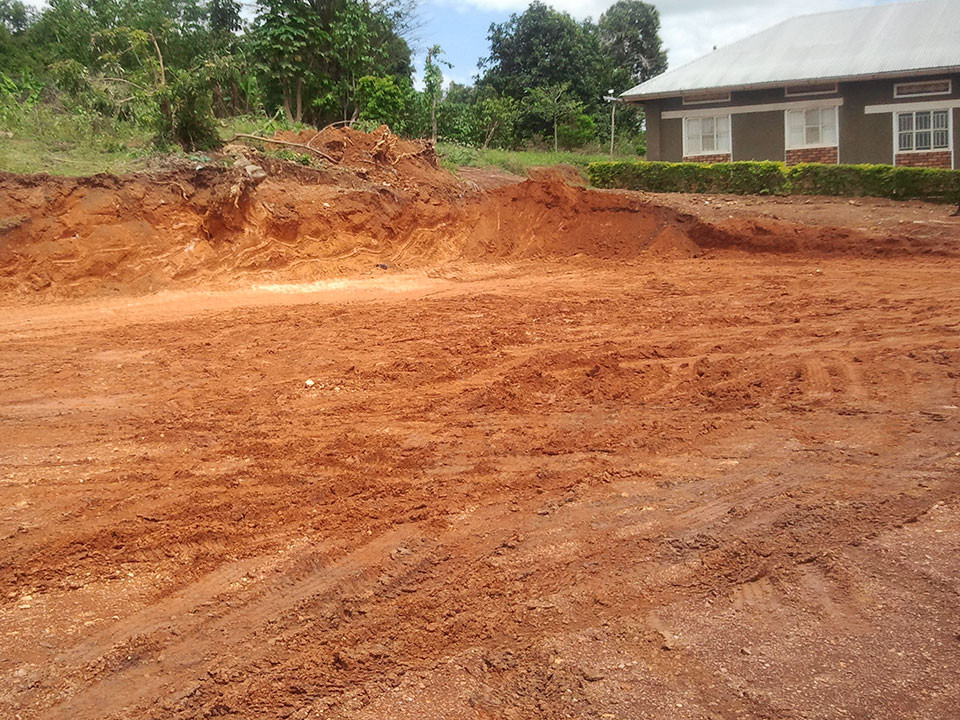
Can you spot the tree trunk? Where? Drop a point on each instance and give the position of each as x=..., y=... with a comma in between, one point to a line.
x=490, y=132
x=163, y=71
x=433, y=119
x=286, y=102
x=613, y=124
x=167, y=111
x=555, y=146
x=299, y=99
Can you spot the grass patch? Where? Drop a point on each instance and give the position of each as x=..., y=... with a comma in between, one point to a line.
x=514, y=161
x=44, y=140
x=48, y=140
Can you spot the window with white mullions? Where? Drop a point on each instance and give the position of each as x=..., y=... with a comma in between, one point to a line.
x=811, y=128
x=941, y=129
x=706, y=135
x=923, y=130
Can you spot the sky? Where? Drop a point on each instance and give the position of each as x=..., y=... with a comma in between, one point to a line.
x=689, y=28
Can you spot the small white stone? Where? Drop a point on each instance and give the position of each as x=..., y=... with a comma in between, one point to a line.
x=309, y=383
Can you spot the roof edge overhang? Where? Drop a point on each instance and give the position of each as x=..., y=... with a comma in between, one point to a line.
x=891, y=75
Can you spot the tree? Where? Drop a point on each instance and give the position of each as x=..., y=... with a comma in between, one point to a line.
x=224, y=18
x=353, y=53
x=321, y=48
x=630, y=33
x=14, y=16
x=285, y=42
x=433, y=84
x=544, y=47
x=382, y=101
x=498, y=116
x=553, y=104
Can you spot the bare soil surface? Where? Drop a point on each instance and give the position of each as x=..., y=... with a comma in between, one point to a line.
x=546, y=472
x=872, y=216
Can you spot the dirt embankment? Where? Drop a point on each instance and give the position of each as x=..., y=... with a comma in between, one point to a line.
x=384, y=202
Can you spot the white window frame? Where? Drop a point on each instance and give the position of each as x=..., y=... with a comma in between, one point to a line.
x=805, y=146
x=948, y=91
x=716, y=118
x=835, y=88
x=914, y=151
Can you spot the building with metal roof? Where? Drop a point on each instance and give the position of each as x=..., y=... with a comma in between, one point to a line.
x=876, y=84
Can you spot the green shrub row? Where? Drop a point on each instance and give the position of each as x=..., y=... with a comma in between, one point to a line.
x=773, y=178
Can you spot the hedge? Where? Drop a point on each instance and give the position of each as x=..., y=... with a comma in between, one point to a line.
x=767, y=178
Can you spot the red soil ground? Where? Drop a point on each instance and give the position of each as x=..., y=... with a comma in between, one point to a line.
x=570, y=455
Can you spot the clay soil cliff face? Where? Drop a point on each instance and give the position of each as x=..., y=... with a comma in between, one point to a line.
x=568, y=455
x=385, y=202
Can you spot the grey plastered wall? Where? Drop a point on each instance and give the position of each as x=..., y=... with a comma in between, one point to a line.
x=758, y=136
x=956, y=138
x=664, y=137
x=671, y=140
x=869, y=138
x=866, y=138
x=651, y=111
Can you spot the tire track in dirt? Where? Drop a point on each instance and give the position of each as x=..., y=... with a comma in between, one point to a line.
x=546, y=523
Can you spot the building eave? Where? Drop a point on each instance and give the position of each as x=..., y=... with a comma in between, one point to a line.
x=920, y=72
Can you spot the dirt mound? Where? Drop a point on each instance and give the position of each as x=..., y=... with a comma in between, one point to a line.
x=383, y=203
x=552, y=173
x=672, y=242
x=554, y=219
x=144, y=233
x=379, y=155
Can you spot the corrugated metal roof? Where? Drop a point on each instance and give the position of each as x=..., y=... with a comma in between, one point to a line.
x=885, y=39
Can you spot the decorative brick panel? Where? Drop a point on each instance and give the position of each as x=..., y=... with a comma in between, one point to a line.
x=827, y=155
x=720, y=157
x=925, y=159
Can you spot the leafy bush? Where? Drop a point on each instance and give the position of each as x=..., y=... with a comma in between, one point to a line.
x=453, y=156
x=759, y=178
x=899, y=183
x=382, y=101
x=578, y=133
x=186, y=113
x=739, y=177
x=459, y=123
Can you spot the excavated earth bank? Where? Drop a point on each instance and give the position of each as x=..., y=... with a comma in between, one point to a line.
x=385, y=203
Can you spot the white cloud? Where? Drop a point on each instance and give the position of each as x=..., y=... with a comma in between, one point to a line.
x=689, y=28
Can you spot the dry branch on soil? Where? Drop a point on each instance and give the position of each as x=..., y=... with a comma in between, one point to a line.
x=316, y=152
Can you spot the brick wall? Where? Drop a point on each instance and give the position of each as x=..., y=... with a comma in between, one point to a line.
x=826, y=155
x=721, y=157
x=925, y=159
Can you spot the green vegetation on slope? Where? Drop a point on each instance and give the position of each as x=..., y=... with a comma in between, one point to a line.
x=514, y=161
x=42, y=139
x=127, y=78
